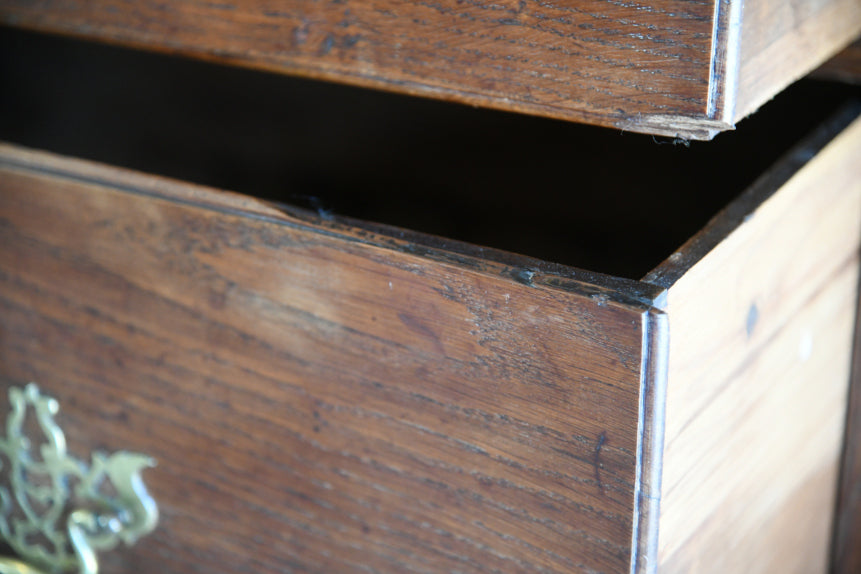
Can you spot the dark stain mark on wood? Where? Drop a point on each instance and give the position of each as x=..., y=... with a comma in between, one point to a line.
x=328, y=43
x=524, y=276
x=417, y=326
x=350, y=41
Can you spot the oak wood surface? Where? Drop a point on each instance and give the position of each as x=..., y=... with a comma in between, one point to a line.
x=319, y=399
x=783, y=40
x=641, y=66
x=761, y=327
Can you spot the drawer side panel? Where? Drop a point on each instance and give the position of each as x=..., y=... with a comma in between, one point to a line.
x=760, y=347
x=783, y=40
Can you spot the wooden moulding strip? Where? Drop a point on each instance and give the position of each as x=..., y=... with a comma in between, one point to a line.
x=653, y=398
x=723, y=82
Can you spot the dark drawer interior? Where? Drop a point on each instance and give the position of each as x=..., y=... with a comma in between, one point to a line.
x=594, y=198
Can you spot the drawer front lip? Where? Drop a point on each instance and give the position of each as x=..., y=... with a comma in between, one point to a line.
x=315, y=397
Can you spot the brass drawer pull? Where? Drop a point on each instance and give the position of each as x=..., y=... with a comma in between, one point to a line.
x=55, y=510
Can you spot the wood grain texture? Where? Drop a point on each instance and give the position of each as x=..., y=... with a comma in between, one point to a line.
x=846, y=541
x=641, y=66
x=320, y=399
x=783, y=40
x=761, y=327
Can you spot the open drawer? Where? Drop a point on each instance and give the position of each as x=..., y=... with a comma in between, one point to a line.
x=325, y=394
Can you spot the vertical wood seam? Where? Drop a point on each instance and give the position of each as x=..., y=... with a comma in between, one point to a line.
x=650, y=442
x=725, y=63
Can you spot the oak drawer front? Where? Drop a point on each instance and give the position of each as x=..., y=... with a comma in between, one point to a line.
x=317, y=399
x=323, y=397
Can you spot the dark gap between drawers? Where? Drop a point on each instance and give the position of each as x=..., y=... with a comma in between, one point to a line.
x=594, y=198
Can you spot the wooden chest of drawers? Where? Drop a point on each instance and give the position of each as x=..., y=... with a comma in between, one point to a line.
x=327, y=394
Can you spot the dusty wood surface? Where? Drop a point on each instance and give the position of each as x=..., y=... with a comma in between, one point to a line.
x=844, y=67
x=641, y=66
x=783, y=40
x=761, y=330
x=318, y=401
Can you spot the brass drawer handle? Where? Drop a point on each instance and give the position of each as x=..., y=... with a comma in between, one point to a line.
x=55, y=510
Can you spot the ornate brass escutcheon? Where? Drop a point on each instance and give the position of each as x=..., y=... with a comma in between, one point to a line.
x=55, y=510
